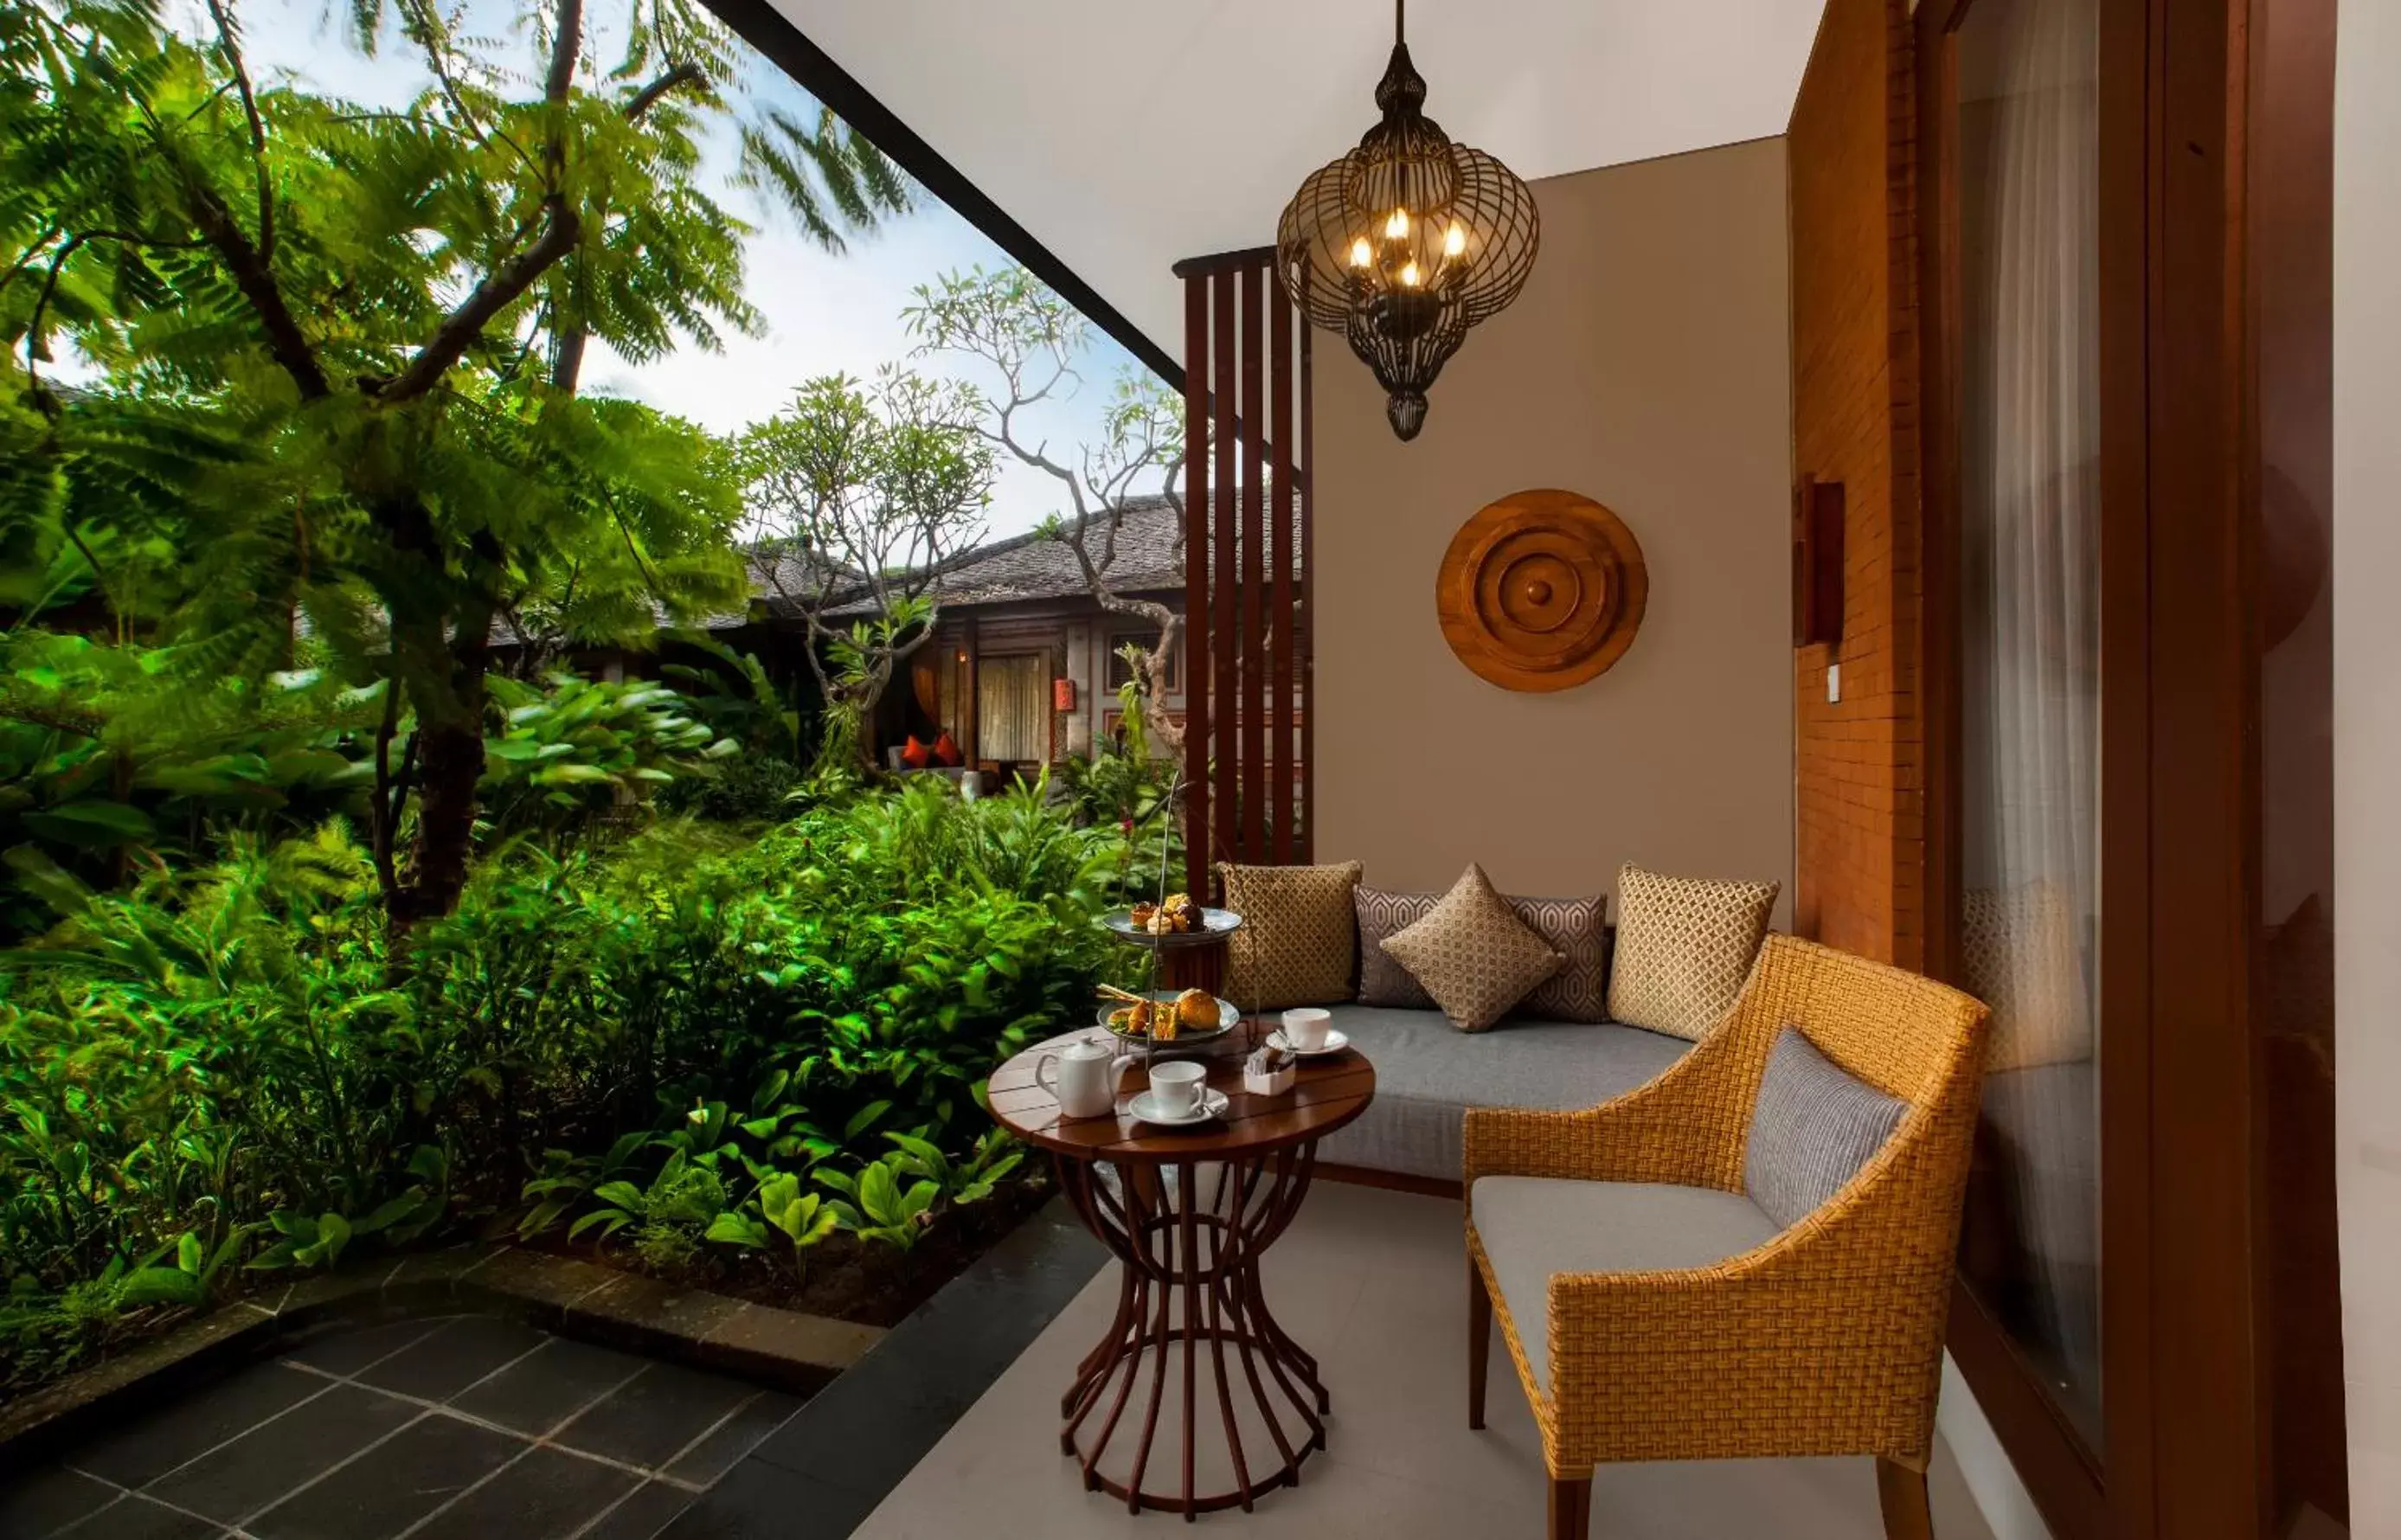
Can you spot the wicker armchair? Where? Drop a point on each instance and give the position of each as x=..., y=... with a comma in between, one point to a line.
x=1825, y=1339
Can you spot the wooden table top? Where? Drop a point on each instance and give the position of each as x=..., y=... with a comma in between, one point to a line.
x=1326, y=1094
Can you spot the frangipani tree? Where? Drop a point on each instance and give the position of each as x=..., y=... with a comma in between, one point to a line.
x=1027, y=339
x=858, y=495
x=332, y=352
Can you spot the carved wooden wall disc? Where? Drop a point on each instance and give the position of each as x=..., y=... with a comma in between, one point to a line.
x=1542, y=590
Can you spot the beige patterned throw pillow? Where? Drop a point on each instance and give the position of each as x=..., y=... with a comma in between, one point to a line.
x=2018, y=954
x=1473, y=954
x=1684, y=947
x=1299, y=943
x=1577, y=929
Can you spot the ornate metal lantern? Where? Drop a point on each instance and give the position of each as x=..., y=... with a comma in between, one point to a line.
x=1406, y=241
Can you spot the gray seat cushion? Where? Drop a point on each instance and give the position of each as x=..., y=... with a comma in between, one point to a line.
x=1534, y=1227
x=1429, y=1073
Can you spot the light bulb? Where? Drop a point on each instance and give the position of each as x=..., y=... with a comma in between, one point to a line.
x=1409, y=274
x=1454, y=240
x=1361, y=252
x=1396, y=224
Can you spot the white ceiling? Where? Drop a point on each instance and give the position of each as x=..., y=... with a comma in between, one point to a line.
x=1126, y=134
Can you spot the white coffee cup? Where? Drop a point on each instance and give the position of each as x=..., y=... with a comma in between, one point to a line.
x=1306, y=1028
x=1176, y=1086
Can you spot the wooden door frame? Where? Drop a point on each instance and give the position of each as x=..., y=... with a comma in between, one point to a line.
x=2184, y=1411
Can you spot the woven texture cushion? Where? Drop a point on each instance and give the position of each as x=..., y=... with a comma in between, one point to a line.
x=1428, y=1074
x=1473, y=954
x=1811, y=1129
x=2018, y=954
x=1532, y=1226
x=1382, y=980
x=1299, y=943
x=1577, y=929
x=1684, y=947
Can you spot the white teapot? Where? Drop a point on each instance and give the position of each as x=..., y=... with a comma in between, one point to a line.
x=1084, y=1076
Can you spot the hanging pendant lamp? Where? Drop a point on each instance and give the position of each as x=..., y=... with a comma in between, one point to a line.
x=1406, y=241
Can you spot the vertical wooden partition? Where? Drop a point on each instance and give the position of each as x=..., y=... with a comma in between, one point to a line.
x=1246, y=580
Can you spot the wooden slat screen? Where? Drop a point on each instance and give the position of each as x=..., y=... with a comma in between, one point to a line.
x=1246, y=580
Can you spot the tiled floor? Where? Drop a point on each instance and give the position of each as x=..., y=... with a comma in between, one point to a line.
x=826, y=1469
x=467, y=1426
x=476, y=1427
x=1372, y=1283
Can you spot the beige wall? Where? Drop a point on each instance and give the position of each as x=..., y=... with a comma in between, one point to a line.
x=2368, y=751
x=1645, y=365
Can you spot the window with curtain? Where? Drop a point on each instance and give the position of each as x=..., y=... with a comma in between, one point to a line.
x=1013, y=706
x=2029, y=650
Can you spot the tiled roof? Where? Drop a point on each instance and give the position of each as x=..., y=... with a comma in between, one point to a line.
x=773, y=572
x=1031, y=566
x=784, y=570
x=1038, y=565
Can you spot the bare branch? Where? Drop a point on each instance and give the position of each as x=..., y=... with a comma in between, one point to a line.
x=1028, y=338
x=228, y=39
x=685, y=74
x=34, y=345
x=285, y=341
x=32, y=254
x=500, y=288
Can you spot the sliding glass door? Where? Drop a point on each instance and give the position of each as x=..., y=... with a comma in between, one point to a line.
x=2121, y=210
x=2028, y=553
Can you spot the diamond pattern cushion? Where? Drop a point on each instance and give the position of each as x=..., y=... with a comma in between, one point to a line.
x=1684, y=947
x=1811, y=1129
x=1382, y=980
x=1473, y=954
x=1299, y=943
x=1577, y=929
x=2018, y=954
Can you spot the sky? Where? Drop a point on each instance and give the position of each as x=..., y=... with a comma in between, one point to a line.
x=825, y=313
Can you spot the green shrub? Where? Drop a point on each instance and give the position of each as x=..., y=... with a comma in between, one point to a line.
x=690, y=1037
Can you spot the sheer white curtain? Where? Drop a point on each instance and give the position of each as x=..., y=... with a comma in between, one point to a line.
x=2030, y=547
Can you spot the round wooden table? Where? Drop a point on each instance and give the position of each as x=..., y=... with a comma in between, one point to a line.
x=1188, y=1214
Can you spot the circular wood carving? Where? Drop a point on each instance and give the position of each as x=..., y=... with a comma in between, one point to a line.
x=1542, y=590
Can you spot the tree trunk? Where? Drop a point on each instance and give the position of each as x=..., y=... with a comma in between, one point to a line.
x=442, y=652
x=449, y=765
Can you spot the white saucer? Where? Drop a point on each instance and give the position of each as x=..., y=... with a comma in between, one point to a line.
x=1146, y=1107
x=1336, y=1041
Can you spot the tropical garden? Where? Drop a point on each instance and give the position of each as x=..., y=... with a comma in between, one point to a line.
x=342, y=912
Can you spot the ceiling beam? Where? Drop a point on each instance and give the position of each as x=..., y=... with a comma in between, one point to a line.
x=768, y=30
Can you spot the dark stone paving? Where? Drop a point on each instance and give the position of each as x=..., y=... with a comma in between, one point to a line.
x=479, y=1428
x=467, y=1425
x=821, y=1474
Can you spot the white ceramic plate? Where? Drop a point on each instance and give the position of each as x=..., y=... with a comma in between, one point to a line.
x=1229, y=1016
x=1336, y=1041
x=1145, y=1106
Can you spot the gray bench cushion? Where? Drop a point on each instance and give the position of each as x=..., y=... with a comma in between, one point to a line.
x=1428, y=1073
x=1532, y=1226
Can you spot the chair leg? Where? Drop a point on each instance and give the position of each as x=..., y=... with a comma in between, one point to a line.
x=1907, y=1513
x=1479, y=1341
x=1571, y=1508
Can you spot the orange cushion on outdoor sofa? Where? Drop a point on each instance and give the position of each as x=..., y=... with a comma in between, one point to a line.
x=916, y=756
